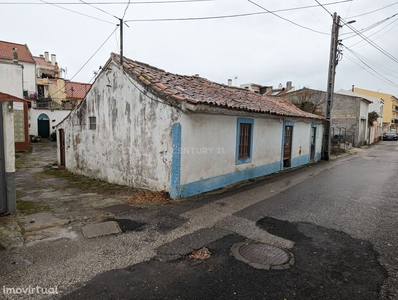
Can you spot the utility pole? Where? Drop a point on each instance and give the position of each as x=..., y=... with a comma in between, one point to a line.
x=121, y=43
x=333, y=60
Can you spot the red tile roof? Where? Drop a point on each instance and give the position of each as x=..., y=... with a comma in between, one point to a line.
x=76, y=90
x=40, y=61
x=197, y=90
x=6, y=52
x=4, y=96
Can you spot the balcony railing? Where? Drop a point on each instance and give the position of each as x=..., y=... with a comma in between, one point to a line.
x=47, y=103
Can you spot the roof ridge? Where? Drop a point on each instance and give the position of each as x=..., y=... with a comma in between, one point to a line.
x=198, y=90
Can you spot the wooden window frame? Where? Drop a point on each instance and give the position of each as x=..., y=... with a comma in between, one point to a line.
x=244, y=141
x=92, y=123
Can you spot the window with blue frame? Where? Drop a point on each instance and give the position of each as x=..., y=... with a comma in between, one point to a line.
x=244, y=140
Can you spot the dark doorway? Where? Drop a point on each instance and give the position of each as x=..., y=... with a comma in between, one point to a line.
x=313, y=138
x=62, y=148
x=287, y=146
x=43, y=126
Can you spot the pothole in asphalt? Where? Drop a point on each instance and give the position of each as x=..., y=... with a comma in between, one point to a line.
x=127, y=224
x=262, y=256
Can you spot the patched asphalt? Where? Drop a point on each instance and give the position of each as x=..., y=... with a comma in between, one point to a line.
x=328, y=265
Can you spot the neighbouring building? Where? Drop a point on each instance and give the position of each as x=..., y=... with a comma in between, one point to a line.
x=375, y=132
x=144, y=127
x=349, y=113
x=19, y=55
x=390, y=108
x=267, y=89
x=55, y=96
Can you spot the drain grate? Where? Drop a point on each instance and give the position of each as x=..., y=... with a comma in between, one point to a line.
x=262, y=256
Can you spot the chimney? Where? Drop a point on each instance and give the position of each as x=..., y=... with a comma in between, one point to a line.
x=288, y=86
x=56, y=70
x=41, y=56
x=53, y=59
x=46, y=56
x=229, y=82
x=15, y=55
x=353, y=88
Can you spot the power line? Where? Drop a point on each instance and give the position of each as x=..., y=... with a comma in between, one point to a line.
x=315, y=16
x=371, y=42
x=45, y=2
x=373, y=25
x=372, y=11
x=87, y=61
x=378, y=32
x=323, y=6
x=375, y=33
x=388, y=71
x=232, y=16
x=128, y=4
x=362, y=61
x=287, y=20
x=108, y=3
x=98, y=8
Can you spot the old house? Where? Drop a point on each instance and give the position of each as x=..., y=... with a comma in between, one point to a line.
x=18, y=54
x=142, y=126
x=55, y=96
x=367, y=105
x=349, y=112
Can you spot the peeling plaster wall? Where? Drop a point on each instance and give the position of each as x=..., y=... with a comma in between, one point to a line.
x=131, y=144
x=9, y=155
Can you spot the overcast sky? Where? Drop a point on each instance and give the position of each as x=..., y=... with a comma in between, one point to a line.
x=260, y=48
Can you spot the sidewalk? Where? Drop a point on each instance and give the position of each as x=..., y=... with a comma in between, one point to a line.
x=52, y=203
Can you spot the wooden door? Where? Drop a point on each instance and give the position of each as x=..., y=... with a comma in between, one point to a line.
x=313, y=137
x=287, y=146
x=62, y=148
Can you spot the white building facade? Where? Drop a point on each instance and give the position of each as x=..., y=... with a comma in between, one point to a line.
x=139, y=128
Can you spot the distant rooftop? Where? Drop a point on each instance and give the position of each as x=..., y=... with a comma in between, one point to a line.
x=6, y=52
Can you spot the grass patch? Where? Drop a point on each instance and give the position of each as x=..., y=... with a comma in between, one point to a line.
x=85, y=183
x=30, y=207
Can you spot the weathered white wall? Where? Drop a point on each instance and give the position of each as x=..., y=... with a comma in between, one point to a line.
x=131, y=144
x=11, y=79
x=9, y=154
x=9, y=145
x=363, y=125
x=209, y=145
x=29, y=77
x=55, y=117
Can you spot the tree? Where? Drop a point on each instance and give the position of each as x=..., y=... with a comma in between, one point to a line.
x=311, y=101
x=372, y=116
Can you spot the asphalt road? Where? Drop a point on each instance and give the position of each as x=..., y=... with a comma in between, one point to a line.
x=341, y=215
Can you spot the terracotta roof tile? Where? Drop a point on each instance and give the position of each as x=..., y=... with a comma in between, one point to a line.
x=6, y=52
x=197, y=90
x=76, y=90
x=4, y=96
x=40, y=61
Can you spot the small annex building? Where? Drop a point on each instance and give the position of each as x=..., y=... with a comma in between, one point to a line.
x=144, y=127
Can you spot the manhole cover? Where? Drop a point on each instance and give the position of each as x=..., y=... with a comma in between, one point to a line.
x=262, y=256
